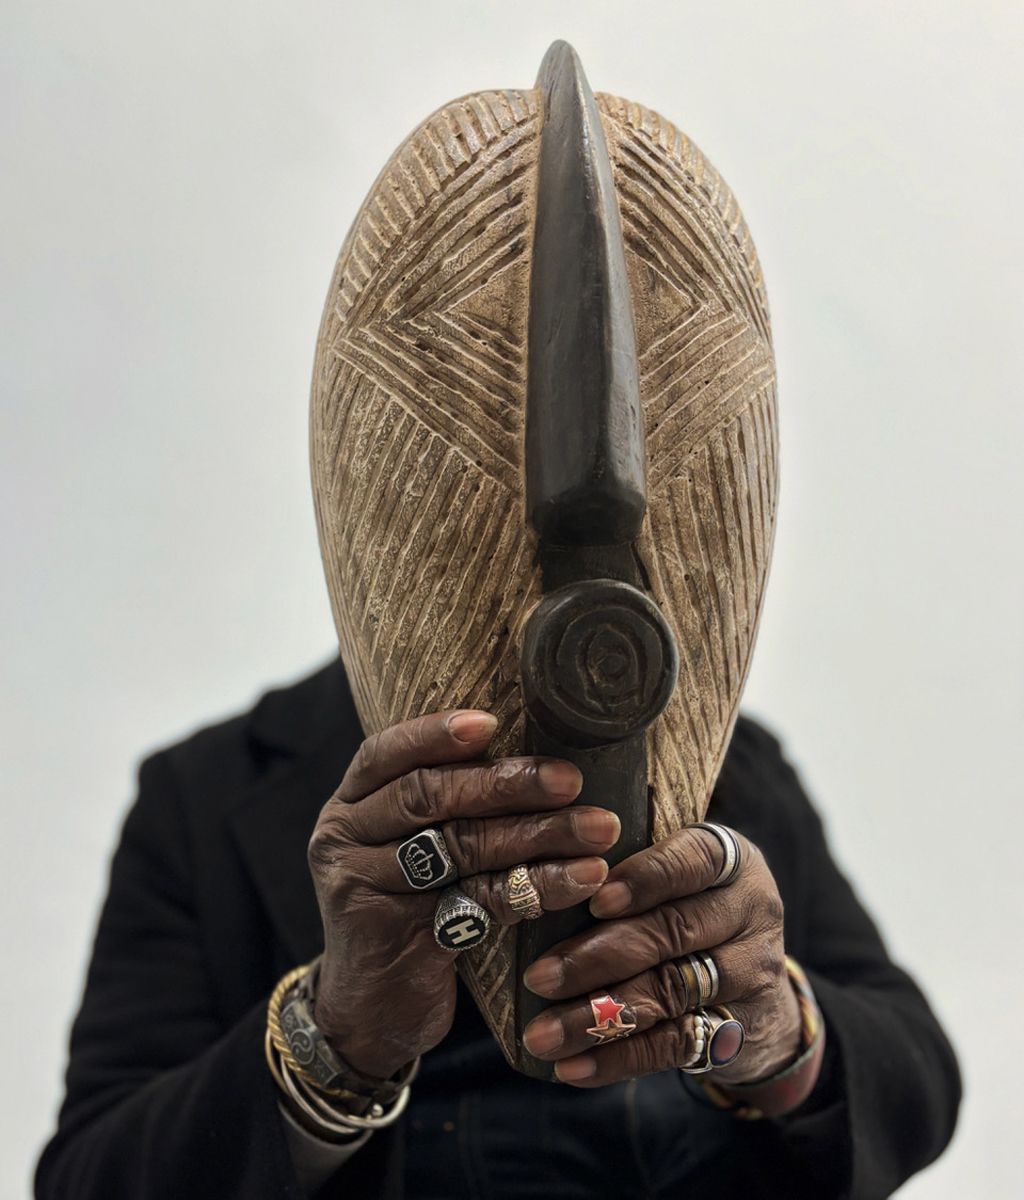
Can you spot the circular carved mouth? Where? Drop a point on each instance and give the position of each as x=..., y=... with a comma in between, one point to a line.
x=599, y=662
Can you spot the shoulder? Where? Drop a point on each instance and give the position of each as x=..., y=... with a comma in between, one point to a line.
x=218, y=761
x=759, y=791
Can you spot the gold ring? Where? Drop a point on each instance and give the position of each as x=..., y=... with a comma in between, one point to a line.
x=523, y=897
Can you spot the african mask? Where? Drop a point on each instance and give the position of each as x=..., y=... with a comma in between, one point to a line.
x=543, y=441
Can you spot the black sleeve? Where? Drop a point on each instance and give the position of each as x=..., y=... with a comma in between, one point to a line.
x=887, y=1101
x=161, y=1101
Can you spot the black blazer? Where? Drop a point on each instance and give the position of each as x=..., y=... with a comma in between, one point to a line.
x=210, y=901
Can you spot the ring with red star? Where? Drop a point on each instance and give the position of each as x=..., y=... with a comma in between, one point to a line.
x=613, y=1019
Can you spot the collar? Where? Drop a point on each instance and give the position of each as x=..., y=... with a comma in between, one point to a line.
x=295, y=719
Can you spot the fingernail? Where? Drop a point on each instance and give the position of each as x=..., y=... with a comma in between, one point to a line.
x=599, y=827
x=572, y=1069
x=587, y=871
x=544, y=976
x=560, y=779
x=543, y=1035
x=612, y=899
x=471, y=726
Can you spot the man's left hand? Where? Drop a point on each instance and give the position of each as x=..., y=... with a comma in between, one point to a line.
x=657, y=906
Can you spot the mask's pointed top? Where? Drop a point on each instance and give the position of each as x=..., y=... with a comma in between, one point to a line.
x=560, y=60
x=584, y=433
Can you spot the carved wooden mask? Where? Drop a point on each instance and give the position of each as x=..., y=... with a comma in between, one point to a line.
x=544, y=386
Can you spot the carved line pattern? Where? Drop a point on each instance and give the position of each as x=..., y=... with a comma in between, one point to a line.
x=416, y=426
x=708, y=390
x=417, y=410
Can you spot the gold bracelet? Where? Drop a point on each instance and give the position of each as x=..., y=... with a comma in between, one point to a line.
x=284, y=986
x=372, y=1095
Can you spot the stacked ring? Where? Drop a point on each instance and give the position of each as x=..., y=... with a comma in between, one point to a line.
x=523, y=897
x=730, y=847
x=699, y=977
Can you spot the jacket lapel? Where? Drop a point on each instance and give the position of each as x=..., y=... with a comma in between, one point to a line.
x=307, y=736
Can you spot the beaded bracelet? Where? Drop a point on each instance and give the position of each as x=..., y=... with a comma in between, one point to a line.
x=781, y=1093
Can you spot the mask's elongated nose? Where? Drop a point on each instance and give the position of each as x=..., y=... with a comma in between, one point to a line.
x=584, y=432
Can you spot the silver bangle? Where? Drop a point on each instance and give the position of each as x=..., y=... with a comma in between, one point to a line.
x=376, y=1118
x=328, y=1117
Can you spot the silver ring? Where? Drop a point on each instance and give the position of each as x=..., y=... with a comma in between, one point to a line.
x=523, y=897
x=425, y=861
x=712, y=971
x=701, y=968
x=458, y=921
x=730, y=847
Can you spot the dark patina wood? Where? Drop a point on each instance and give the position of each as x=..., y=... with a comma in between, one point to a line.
x=598, y=659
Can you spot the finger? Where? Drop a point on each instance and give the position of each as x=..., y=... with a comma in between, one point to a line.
x=687, y=863
x=495, y=843
x=430, y=796
x=656, y=995
x=559, y=885
x=623, y=948
x=425, y=741
x=665, y=1045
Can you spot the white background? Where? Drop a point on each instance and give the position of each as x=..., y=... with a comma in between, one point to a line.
x=177, y=181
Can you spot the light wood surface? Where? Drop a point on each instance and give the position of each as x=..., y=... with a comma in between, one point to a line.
x=417, y=413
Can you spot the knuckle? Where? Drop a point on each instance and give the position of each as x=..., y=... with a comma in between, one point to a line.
x=468, y=841
x=676, y=1034
x=753, y=856
x=366, y=756
x=772, y=908
x=418, y=793
x=757, y=970
x=487, y=891
x=505, y=779
x=674, y=864
x=681, y=927
x=662, y=1049
x=664, y=986
x=327, y=842
x=417, y=734
x=706, y=854
x=321, y=850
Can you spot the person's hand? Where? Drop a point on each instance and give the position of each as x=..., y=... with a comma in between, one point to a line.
x=657, y=906
x=386, y=990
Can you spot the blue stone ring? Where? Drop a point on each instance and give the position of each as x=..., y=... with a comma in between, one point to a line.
x=718, y=1039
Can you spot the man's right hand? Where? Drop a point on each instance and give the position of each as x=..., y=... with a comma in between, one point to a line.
x=386, y=990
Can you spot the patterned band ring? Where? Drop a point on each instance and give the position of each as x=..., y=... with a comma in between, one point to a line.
x=425, y=861
x=730, y=848
x=523, y=897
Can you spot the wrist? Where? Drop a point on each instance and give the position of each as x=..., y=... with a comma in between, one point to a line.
x=324, y=1095
x=372, y=1059
x=778, y=1052
x=781, y=1093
